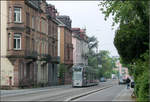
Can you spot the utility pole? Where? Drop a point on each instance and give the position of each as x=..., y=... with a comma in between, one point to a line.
x=97, y=55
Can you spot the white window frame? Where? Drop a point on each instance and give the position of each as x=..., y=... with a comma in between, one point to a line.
x=17, y=41
x=17, y=13
x=9, y=41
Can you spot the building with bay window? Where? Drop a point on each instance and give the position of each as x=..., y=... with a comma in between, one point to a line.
x=28, y=44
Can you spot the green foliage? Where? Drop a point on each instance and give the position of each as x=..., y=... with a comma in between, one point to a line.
x=92, y=56
x=143, y=87
x=62, y=70
x=92, y=61
x=132, y=38
x=107, y=62
x=123, y=11
x=141, y=77
x=131, y=41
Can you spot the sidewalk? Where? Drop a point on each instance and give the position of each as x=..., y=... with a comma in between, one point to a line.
x=125, y=95
x=31, y=90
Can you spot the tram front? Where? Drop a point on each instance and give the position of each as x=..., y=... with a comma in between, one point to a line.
x=77, y=76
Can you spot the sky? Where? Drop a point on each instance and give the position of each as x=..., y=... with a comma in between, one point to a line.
x=87, y=14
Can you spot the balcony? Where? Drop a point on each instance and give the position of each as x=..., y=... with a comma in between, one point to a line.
x=15, y=53
x=33, y=3
x=45, y=58
x=55, y=59
x=31, y=54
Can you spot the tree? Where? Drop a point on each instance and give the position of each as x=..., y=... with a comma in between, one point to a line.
x=92, y=56
x=107, y=63
x=131, y=38
x=92, y=42
x=61, y=73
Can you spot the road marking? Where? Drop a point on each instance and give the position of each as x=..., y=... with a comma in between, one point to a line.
x=87, y=93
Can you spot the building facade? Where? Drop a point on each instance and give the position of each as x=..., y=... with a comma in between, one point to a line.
x=80, y=45
x=27, y=51
x=123, y=71
x=65, y=46
x=53, y=45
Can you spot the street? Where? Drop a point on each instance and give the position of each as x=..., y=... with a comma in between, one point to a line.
x=108, y=94
x=59, y=93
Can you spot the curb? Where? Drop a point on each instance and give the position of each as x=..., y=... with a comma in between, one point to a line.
x=28, y=91
x=85, y=94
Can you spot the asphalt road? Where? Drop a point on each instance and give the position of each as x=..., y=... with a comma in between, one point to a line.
x=51, y=94
x=108, y=94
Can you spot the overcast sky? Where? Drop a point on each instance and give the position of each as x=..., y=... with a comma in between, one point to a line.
x=87, y=14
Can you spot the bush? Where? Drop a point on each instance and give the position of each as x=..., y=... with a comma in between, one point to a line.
x=141, y=77
x=143, y=87
x=62, y=70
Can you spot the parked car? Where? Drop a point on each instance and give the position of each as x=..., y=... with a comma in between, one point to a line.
x=103, y=79
x=121, y=81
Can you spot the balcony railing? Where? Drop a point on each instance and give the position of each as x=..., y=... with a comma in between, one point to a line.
x=33, y=3
x=55, y=59
x=31, y=54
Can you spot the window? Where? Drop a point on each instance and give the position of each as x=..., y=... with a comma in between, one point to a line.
x=10, y=15
x=33, y=45
x=27, y=43
x=38, y=23
x=17, y=14
x=33, y=22
x=43, y=24
x=27, y=19
x=9, y=41
x=17, y=41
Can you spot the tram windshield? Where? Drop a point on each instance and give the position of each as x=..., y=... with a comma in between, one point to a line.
x=77, y=76
x=77, y=73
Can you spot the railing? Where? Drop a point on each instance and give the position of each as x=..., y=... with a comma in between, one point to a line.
x=33, y=3
x=30, y=54
x=55, y=59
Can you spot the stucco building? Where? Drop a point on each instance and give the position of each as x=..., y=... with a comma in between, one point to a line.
x=80, y=45
x=65, y=46
x=28, y=43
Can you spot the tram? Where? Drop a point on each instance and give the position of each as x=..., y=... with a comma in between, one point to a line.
x=84, y=76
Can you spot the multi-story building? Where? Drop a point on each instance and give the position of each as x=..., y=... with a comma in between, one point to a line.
x=123, y=71
x=53, y=45
x=80, y=45
x=28, y=56
x=65, y=46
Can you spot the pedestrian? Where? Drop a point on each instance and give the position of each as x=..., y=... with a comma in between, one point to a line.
x=128, y=82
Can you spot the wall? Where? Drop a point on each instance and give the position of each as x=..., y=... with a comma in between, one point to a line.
x=58, y=41
x=6, y=66
x=61, y=44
